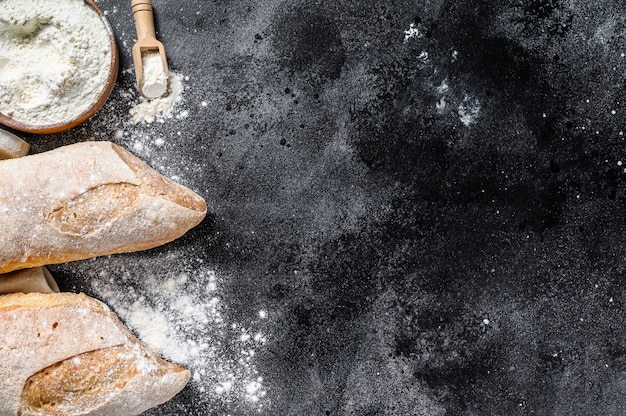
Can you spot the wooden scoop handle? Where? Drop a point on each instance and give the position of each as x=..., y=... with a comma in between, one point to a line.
x=144, y=19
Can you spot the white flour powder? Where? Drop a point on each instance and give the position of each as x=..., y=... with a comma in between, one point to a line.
x=183, y=318
x=54, y=59
x=159, y=109
x=154, y=79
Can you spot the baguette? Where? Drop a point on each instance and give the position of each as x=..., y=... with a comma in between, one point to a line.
x=68, y=354
x=85, y=200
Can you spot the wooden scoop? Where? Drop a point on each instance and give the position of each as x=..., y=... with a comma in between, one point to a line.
x=146, y=38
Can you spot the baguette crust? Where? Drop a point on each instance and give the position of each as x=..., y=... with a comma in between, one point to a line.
x=68, y=354
x=86, y=200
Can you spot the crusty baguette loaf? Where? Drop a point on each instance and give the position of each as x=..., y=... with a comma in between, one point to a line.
x=85, y=200
x=68, y=354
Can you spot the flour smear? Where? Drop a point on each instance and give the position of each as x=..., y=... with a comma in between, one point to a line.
x=160, y=109
x=182, y=318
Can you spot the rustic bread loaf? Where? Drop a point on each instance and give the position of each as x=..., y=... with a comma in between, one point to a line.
x=68, y=354
x=86, y=200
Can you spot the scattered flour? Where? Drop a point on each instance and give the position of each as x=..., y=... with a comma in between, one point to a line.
x=469, y=110
x=159, y=109
x=54, y=59
x=183, y=319
x=154, y=83
x=412, y=32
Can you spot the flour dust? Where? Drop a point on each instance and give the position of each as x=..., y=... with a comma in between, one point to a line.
x=183, y=318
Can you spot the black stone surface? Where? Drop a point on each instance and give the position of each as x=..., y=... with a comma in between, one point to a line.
x=436, y=225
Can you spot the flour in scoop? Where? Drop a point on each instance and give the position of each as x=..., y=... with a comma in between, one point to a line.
x=54, y=59
x=154, y=78
x=162, y=108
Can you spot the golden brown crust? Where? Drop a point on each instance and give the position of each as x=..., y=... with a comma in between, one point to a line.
x=93, y=210
x=157, y=185
x=79, y=382
x=87, y=380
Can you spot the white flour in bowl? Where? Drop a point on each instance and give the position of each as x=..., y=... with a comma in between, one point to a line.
x=54, y=59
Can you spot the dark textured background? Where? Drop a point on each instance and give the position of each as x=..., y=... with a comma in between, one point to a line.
x=411, y=264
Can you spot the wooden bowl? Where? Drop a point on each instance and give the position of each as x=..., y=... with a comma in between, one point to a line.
x=99, y=102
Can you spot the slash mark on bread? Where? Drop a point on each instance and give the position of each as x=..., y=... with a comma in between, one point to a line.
x=94, y=209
